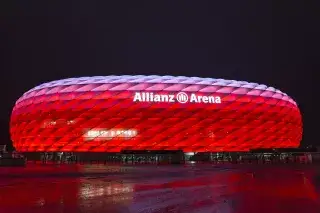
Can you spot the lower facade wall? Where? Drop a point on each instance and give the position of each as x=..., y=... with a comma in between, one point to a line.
x=171, y=157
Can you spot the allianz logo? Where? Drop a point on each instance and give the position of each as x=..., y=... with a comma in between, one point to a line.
x=180, y=97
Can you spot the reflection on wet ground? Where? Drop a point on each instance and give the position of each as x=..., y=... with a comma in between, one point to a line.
x=196, y=188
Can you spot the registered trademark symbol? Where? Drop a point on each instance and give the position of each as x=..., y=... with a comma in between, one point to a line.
x=182, y=97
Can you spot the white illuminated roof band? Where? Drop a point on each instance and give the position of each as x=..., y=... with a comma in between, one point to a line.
x=154, y=83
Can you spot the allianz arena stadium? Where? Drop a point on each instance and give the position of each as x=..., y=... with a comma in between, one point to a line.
x=116, y=113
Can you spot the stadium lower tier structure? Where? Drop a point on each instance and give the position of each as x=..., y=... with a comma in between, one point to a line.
x=265, y=155
x=115, y=114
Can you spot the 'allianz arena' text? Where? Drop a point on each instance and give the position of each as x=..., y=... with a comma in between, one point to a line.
x=116, y=113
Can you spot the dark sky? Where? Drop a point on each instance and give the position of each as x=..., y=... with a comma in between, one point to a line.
x=270, y=42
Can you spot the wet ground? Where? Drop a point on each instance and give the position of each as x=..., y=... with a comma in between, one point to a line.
x=150, y=188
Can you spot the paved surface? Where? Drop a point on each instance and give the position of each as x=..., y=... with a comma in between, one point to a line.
x=197, y=188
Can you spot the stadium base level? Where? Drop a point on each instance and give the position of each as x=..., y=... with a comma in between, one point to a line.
x=164, y=156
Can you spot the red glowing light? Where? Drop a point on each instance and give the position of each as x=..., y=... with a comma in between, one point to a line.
x=211, y=115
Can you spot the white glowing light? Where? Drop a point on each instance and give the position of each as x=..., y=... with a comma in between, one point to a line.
x=180, y=97
x=189, y=153
x=110, y=133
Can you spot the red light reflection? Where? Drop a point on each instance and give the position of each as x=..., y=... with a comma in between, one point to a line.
x=169, y=189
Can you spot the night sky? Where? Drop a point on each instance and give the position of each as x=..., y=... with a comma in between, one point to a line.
x=270, y=42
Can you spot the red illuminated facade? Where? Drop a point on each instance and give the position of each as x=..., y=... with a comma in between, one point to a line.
x=115, y=113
